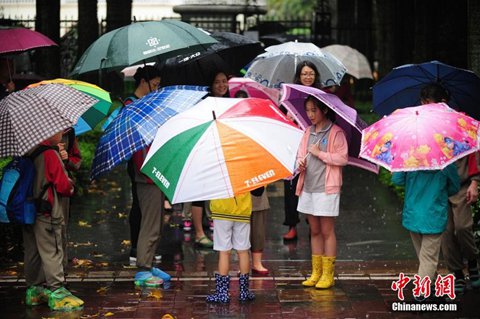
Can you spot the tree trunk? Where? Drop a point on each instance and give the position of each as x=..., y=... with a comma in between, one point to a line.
x=474, y=36
x=119, y=13
x=47, y=21
x=87, y=32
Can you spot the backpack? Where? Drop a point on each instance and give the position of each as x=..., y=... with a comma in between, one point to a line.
x=17, y=204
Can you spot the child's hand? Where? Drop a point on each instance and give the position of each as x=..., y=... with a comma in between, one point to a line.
x=62, y=151
x=314, y=150
x=302, y=164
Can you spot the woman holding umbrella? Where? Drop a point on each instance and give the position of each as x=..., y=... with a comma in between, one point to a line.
x=308, y=75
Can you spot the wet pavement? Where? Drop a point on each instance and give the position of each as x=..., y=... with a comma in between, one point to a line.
x=373, y=248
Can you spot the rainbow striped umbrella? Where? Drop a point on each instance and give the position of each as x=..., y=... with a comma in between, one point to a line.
x=222, y=147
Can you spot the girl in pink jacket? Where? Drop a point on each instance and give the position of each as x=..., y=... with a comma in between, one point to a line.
x=322, y=153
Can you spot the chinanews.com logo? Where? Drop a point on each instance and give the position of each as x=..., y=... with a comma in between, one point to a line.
x=444, y=287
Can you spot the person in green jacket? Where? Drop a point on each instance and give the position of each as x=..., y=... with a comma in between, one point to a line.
x=425, y=211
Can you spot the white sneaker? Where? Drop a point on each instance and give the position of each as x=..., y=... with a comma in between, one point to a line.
x=133, y=260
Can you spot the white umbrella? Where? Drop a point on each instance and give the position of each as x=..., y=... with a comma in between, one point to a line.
x=278, y=64
x=356, y=63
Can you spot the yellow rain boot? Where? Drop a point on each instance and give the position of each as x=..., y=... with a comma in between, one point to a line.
x=328, y=267
x=316, y=271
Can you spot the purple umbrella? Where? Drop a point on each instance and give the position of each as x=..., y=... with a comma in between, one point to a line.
x=293, y=98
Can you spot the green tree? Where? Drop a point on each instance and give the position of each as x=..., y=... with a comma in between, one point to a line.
x=284, y=8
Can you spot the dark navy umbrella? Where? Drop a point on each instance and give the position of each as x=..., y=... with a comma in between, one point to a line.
x=136, y=125
x=401, y=87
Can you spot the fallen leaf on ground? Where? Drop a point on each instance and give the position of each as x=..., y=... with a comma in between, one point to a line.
x=103, y=290
x=122, y=215
x=83, y=223
x=109, y=314
x=157, y=294
x=101, y=211
x=82, y=244
x=82, y=262
x=126, y=242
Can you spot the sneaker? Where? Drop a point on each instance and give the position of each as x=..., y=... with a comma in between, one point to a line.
x=146, y=279
x=460, y=285
x=204, y=242
x=36, y=295
x=63, y=300
x=161, y=274
x=133, y=260
x=187, y=225
x=210, y=224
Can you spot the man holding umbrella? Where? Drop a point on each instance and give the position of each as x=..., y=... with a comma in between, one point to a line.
x=458, y=242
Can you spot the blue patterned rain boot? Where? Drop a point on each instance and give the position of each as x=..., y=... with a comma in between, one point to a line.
x=245, y=293
x=221, y=294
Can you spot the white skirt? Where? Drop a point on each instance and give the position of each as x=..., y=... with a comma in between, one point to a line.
x=319, y=204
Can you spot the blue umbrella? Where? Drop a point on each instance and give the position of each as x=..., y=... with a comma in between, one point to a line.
x=136, y=125
x=401, y=87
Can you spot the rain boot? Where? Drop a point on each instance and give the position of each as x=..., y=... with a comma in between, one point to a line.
x=316, y=271
x=245, y=293
x=221, y=294
x=328, y=268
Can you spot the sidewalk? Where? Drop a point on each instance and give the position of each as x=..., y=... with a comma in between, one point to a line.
x=373, y=248
x=110, y=293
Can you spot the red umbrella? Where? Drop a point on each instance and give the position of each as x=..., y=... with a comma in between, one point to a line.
x=16, y=40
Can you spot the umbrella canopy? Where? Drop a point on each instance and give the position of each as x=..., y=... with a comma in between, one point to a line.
x=30, y=116
x=426, y=137
x=278, y=64
x=293, y=98
x=96, y=113
x=222, y=147
x=356, y=63
x=142, y=42
x=231, y=53
x=135, y=127
x=16, y=40
x=401, y=87
x=253, y=89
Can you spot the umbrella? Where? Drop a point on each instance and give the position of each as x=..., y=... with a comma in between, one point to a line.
x=356, y=63
x=16, y=40
x=96, y=113
x=278, y=64
x=293, y=98
x=426, y=137
x=231, y=53
x=222, y=147
x=30, y=116
x=135, y=127
x=253, y=89
x=141, y=42
x=401, y=87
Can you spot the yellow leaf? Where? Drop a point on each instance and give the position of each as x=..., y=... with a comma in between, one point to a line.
x=122, y=215
x=82, y=223
x=125, y=242
x=102, y=290
x=109, y=314
x=157, y=294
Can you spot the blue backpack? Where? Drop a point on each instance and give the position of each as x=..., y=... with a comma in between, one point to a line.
x=17, y=204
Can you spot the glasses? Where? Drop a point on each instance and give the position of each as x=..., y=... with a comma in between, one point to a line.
x=311, y=75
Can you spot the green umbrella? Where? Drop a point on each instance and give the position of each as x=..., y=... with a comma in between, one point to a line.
x=142, y=42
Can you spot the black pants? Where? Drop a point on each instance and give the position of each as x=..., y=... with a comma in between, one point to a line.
x=291, y=202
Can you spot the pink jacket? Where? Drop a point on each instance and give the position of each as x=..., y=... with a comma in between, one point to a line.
x=335, y=157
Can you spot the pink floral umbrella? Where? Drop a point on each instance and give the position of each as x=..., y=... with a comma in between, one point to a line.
x=426, y=137
x=253, y=89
